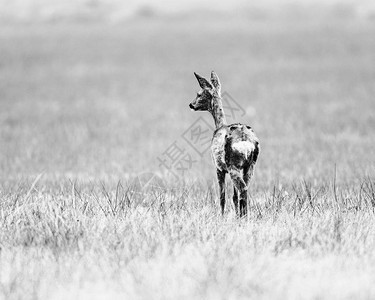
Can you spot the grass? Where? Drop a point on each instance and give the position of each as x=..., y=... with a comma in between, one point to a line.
x=84, y=109
x=96, y=241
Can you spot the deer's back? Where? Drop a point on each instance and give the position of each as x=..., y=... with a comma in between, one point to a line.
x=234, y=145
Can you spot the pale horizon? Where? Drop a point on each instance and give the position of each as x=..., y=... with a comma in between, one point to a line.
x=116, y=10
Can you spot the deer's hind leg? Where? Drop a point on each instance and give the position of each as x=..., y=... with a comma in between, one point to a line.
x=235, y=198
x=240, y=185
x=248, y=172
x=221, y=180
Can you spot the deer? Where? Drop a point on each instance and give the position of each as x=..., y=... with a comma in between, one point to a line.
x=234, y=147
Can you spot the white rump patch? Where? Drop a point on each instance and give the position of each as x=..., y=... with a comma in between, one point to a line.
x=244, y=147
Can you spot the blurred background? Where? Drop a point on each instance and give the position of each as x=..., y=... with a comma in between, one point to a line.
x=100, y=89
x=117, y=11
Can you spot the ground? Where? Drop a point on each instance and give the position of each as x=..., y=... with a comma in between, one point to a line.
x=85, y=108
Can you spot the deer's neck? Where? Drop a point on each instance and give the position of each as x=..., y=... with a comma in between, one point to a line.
x=217, y=112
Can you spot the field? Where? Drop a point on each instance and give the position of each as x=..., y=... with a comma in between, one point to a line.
x=86, y=109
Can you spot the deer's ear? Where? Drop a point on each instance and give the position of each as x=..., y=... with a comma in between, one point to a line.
x=215, y=81
x=203, y=82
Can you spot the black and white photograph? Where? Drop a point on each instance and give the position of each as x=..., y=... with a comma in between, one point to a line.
x=187, y=149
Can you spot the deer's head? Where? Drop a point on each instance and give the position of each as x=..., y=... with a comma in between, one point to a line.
x=209, y=91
